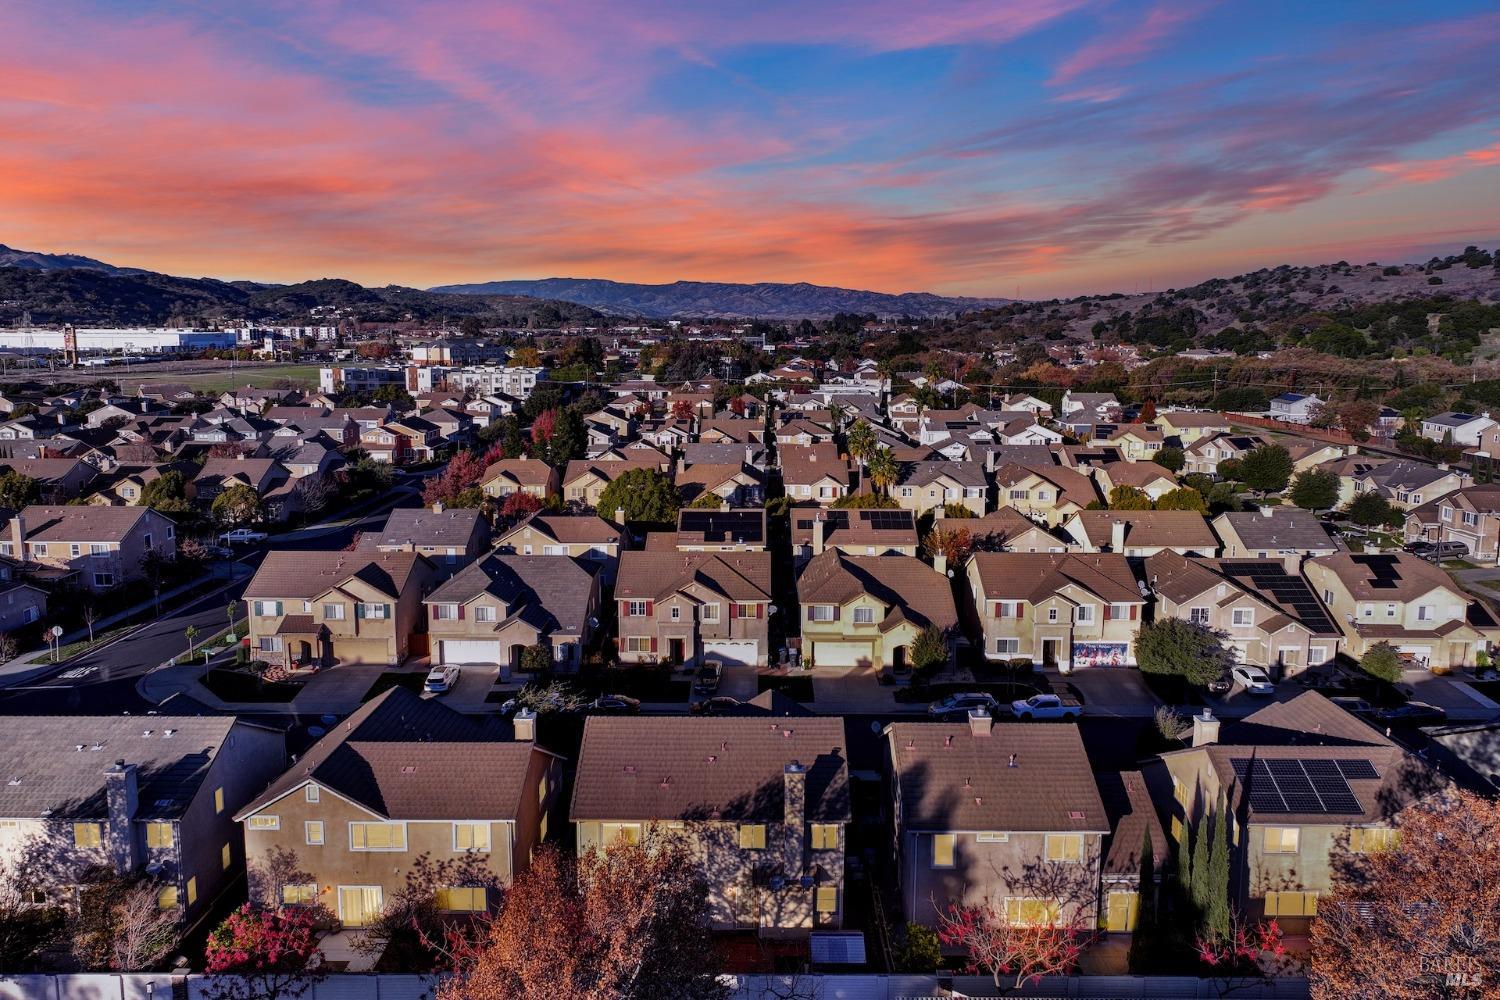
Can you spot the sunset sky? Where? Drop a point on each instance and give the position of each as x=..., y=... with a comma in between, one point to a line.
x=1039, y=147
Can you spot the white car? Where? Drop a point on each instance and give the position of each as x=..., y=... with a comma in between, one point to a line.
x=1252, y=679
x=441, y=679
x=242, y=536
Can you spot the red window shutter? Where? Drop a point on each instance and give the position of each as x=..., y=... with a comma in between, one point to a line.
x=760, y=611
x=653, y=644
x=1135, y=611
x=460, y=612
x=734, y=610
x=651, y=610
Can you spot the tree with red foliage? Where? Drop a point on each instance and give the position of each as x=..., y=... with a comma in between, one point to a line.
x=543, y=426
x=1027, y=946
x=1148, y=412
x=953, y=544
x=682, y=409
x=1420, y=918
x=263, y=953
x=629, y=921
x=737, y=406
x=520, y=504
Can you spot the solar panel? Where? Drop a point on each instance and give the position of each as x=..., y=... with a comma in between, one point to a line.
x=717, y=525
x=1357, y=769
x=1297, y=785
x=1287, y=591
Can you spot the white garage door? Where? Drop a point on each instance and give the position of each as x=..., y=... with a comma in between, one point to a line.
x=468, y=651
x=843, y=654
x=737, y=653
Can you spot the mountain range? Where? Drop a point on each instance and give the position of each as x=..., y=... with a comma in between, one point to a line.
x=763, y=300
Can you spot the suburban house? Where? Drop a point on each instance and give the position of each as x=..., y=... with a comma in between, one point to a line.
x=401, y=778
x=20, y=603
x=96, y=547
x=1470, y=516
x=1141, y=533
x=1183, y=427
x=1062, y=610
x=1146, y=476
x=1273, y=533
x=866, y=611
x=450, y=539
x=1136, y=442
x=1089, y=407
x=1269, y=614
x=684, y=607
x=1008, y=530
x=493, y=610
x=1132, y=818
x=1405, y=601
x=1295, y=407
x=814, y=472
x=922, y=486
x=1046, y=493
x=585, y=537
x=1407, y=483
x=271, y=481
x=852, y=532
x=1305, y=782
x=520, y=475
x=132, y=793
x=585, y=480
x=735, y=484
x=764, y=804
x=60, y=478
x=1205, y=454
x=1004, y=812
x=1463, y=429
x=319, y=608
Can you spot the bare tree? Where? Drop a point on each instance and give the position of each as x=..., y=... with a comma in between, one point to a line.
x=144, y=932
x=89, y=617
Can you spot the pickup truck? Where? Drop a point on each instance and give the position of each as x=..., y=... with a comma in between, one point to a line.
x=242, y=536
x=1046, y=706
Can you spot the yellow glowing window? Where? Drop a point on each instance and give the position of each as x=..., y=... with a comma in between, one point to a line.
x=1291, y=904
x=825, y=836
x=753, y=836
x=1282, y=840
x=304, y=894
x=943, y=847
x=158, y=834
x=1369, y=840
x=1026, y=912
x=471, y=836
x=1065, y=847
x=192, y=888
x=86, y=835
x=828, y=898
x=166, y=899
x=377, y=837
x=461, y=899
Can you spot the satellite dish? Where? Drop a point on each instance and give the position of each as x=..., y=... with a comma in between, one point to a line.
x=772, y=608
x=56, y=631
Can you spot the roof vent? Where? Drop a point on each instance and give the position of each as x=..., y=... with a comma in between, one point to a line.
x=712, y=758
x=14, y=781
x=947, y=741
x=911, y=744
x=147, y=732
x=1075, y=814
x=787, y=733
x=97, y=746
x=666, y=782
x=979, y=800
x=724, y=745
x=78, y=747
x=629, y=768
x=1014, y=762
x=409, y=769
x=167, y=734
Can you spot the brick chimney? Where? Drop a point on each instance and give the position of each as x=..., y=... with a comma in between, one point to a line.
x=794, y=812
x=120, y=794
x=1205, y=728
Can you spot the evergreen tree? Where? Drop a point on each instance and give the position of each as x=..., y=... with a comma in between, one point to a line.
x=1198, y=889
x=1217, y=918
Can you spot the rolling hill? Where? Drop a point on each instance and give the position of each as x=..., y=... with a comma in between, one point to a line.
x=763, y=300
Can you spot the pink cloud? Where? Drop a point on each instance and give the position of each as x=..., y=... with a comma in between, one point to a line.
x=1440, y=168
x=1123, y=48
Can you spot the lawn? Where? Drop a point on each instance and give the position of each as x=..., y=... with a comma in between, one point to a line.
x=261, y=377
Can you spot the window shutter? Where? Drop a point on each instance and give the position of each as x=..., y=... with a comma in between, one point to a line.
x=460, y=612
x=760, y=611
x=387, y=610
x=998, y=610
x=278, y=608
x=653, y=644
x=359, y=609
x=651, y=610
x=1135, y=611
x=838, y=612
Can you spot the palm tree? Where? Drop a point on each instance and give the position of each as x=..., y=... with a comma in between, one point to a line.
x=883, y=469
x=861, y=440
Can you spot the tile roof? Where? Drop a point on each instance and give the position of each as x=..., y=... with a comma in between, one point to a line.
x=726, y=769
x=403, y=757
x=1035, y=576
x=291, y=575
x=911, y=589
x=422, y=526
x=1393, y=576
x=47, y=775
x=1149, y=527
x=739, y=576
x=81, y=524
x=1273, y=528
x=550, y=593
x=950, y=779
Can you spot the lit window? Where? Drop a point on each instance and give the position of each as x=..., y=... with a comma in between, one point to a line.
x=377, y=837
x=825, y=836
x=158, y=834
x=943, y=847
x=263, y=823
x=166, y=898
x=1369, y=840
x=1282, y=840
x=1021, y=912
x=471, y=836
x=1066, y=847
x=192, y=890
x=86, y=835
x=301, y=894
x=462, y=899
x=226, y=857
x=312, y=832
x=828, y=899
x=1291, y=904
x=753, y=836
x=218, y=800
x=611, y=833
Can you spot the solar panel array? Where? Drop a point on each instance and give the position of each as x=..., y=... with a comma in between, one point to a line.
x=1382, y=569
x=889, y=520
x=717, y=525
x=1291, y=592
x=1301, y=785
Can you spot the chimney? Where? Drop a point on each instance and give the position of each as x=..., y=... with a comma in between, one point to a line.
x=940, y=563
x=620, y=515
x=525, y=726
x=1117, y=536
x=1268, y=511
x=1205, y=728
x=980, y=722
x=819, y=527
x=437, y=506
x=794, y=811
x=120, y=796
x=18, y=537
x=1292, y=563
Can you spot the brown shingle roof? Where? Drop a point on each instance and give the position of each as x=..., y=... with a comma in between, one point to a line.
x=904, y=584
x=1127, y=802
x=806, y=464
x=1397, y=576
x=739, y=576
x=306, y=575
x=950, y=779
x=1035, y=576
x=729, y=769
x=81, y=524
x=1177, y=528
x=524, y=471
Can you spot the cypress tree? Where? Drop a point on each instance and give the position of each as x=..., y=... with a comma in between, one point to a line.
x=1199, y=889
x=1143, y=942
x=1218, y=874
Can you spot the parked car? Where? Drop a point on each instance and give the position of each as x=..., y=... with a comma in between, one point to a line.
x=1349, y=703
x=1221, y=685
x=615, y=704
x=243, y=536
x=1413, y=713
x=1420, y=548
x=1449, y=550
x=956, y=707
x=1046, y=706
x=1252, y=679
x=441, y=679
x=718, y=705
x=708, y=677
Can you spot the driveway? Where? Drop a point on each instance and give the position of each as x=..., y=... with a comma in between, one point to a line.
x=1461, y=702
x=1110, y=692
